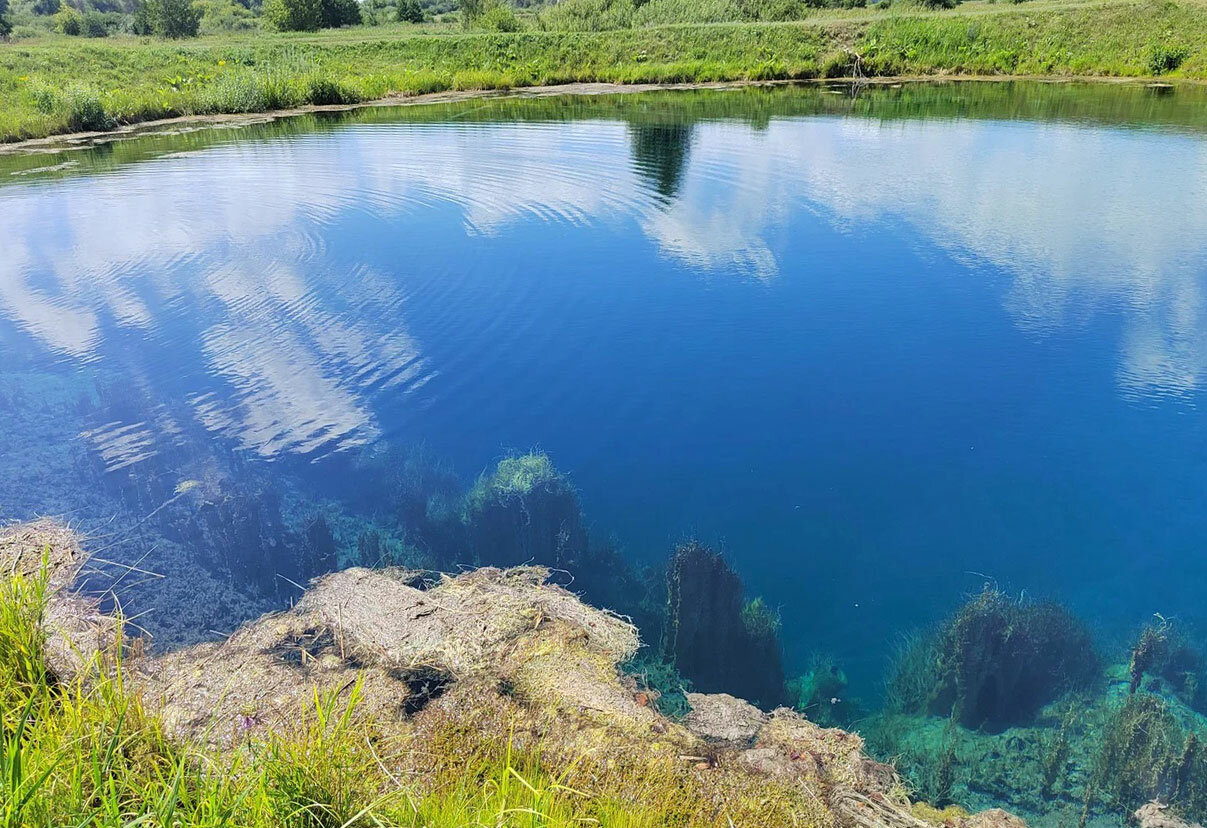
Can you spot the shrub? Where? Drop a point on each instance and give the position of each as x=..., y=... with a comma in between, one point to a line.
x=409, y=11
x=996, y=662
x=85, y=113
x=68, y=21
x=336, y=13
x=225, y=16
x=471, y=10
x=94, y=25
x=323, y=91
x=589, y=15
x=499, y=17
x=169, y=18
x=293, y=15
x=6, y=26
x=1164, y=58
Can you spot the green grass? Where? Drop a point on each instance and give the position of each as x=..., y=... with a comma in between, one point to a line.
x=86, y=753
x=53, y=84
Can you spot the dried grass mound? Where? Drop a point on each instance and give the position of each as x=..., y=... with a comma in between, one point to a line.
x=76, y=630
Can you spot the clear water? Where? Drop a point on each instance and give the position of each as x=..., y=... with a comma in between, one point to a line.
x=882, y=346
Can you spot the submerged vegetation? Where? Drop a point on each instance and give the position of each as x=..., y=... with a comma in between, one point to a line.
x=994, y=663
x=56, y=83
x=1007, y=700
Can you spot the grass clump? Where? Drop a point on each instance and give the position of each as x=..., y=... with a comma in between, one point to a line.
x=994, y=663
x=1147, y=754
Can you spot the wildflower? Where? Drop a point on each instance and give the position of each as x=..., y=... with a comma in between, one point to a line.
x=222, y=63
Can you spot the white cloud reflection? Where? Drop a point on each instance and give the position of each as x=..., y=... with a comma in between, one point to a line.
x=1079, y=218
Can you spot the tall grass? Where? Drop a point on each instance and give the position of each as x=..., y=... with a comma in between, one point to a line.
x=64, y=84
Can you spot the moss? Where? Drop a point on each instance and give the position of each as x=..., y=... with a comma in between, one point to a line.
x=525, y=511
x=951, y=815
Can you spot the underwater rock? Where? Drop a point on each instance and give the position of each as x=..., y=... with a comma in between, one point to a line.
x=1156, y=815
x=720, y=644
x=719, y=717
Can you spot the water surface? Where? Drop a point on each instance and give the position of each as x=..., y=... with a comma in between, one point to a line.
x=882, y=345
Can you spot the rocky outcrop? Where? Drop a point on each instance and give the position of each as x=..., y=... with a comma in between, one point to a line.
x=488, y=654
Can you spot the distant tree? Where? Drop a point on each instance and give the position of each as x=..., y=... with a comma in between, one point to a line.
x=45, y=8
x=336, y=13
x=68, y=21
x=167, y=18
x=142, y=24
x=471, y=10
x=410, y=11
x=293, y=15
x=94, y=25
x=6, y=26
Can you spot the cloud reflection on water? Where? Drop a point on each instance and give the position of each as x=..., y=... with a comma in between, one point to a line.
x=238, y=238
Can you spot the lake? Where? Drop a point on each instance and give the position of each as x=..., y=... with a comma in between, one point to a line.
x=881, y=345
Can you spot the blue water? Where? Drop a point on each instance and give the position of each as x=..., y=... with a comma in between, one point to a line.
x=880, y=359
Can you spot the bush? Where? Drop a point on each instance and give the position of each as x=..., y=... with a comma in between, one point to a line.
x=995, y=663
x=94, y=25
x=225, y=16
x=1164, y=58
x=323, y=91
x=168, y=18
x=85, y=113
x=293, y=15
x=409, y=11
x=336, y=13
x=588, y=15
x=68, y=21
x=500, y=17
x=6, y=26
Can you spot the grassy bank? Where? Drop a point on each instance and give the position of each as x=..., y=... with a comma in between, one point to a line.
x=54, y=84
x=85, y=752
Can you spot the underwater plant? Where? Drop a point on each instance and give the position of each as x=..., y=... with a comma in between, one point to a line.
x=525, y=511
x=995, y=662
x=1146, y=754
x=1163, y=653
x=821, y=693
x=720, y=643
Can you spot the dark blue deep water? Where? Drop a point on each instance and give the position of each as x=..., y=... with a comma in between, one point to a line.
x=881, y=348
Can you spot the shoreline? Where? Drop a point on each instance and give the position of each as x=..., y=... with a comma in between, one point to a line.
x=68, y=141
